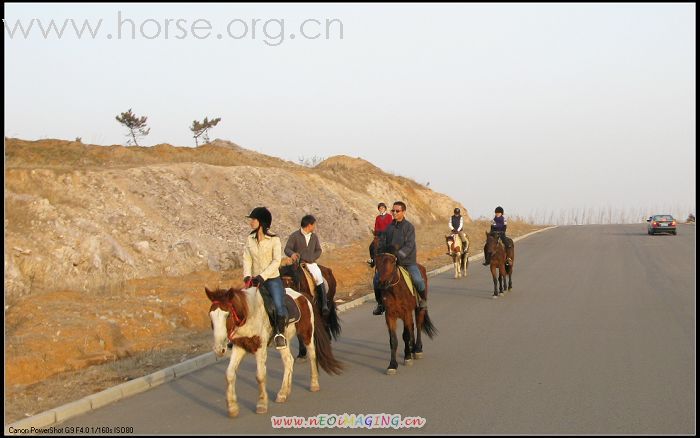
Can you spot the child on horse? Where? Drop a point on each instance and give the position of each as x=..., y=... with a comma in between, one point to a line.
x=400, y=240
x=303, y=245
x=381, y=222
x=262, y=256
x=498, y=229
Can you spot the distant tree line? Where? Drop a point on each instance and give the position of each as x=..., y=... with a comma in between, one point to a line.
x=138, y=128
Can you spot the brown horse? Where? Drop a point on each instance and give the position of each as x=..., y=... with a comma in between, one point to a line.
x=293, y=277
x=460, y=256
x=239, y=317
x=401, y=303
x=502, y=261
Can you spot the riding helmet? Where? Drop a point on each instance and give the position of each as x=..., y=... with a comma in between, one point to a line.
x=263, y=215
x=457, y=210
x=499, y=209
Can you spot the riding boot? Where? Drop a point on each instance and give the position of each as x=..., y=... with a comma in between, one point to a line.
x=321, y=296
x=487, y=260
x=280, y=340
x=380, y=305
x=422, y=301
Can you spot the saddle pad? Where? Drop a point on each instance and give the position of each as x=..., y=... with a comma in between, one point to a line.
x=293, y=311
x=309, y=278
x=409, y=282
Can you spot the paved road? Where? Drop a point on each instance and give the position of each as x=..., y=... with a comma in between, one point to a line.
x=598, y=336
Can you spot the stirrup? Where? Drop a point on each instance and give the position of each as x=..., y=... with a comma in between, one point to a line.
x=280, y=341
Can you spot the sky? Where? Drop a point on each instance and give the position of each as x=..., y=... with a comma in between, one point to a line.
x=535, y=107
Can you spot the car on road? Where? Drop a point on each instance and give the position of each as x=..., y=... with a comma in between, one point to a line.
x=661, y=223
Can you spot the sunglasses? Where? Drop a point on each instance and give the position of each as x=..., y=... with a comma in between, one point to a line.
x=396, y=211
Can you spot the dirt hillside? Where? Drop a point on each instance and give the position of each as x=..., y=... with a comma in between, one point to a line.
x=107, y=250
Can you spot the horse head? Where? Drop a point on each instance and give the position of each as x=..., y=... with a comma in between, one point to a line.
x=491, y=243
x=227, y=312
x=454, y=244
x=386, y=267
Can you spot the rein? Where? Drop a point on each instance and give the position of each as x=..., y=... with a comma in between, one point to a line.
x=395, y=274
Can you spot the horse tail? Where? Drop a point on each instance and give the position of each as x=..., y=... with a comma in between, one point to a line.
x=322, y=343
x=333, y=322
x=428, y=327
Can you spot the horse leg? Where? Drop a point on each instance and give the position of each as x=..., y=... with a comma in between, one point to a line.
x=408, y=340
x=501, y=281
x=314, y=366
x=301, y=358
x=455, y=260
x=495, y=281
x=393, y=344
x=418, y=345
x=261, y=378
x=288, y=361
x=236, y=356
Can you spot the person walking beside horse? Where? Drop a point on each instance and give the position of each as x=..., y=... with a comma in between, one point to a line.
x=400, y=240
x=304, y=246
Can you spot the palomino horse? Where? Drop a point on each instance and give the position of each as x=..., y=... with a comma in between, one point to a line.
x=293, y=277
x=239, y=316
x=460, y=257
x=502, y=261
x=401, y=303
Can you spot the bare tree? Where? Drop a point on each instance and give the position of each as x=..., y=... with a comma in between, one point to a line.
x=135, y=124
x=202, y=129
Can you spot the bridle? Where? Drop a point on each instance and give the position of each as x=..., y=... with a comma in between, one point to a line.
x=395, y=274
x=238, y=322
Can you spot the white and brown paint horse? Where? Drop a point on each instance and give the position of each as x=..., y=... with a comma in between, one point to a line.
x=460, y=256
x=238, y=316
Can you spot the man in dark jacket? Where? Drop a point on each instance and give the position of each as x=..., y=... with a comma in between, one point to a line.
x=400, y=240
x=303, y=244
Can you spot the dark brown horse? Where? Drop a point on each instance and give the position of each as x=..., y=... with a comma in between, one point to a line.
x=502, y=261
x=293, y=277
x=401, y=303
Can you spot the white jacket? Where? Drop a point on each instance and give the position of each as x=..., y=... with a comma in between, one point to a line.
x=262, y=258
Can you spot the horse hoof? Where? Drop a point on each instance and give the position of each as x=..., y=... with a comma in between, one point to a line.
x=301, y=359
x=261, y=409
x=408, y=362
x=418, y=355
x=315, y=388
x=233, y=413
x=495, y=297
x=390, y=371
x=281, y=399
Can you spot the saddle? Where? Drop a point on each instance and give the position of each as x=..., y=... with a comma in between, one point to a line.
x=409, y=282
x=293, y=311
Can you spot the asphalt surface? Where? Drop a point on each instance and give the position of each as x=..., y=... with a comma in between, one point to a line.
x=597, y=336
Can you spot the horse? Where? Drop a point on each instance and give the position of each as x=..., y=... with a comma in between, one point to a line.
x=293, y=277
x=399, y=302
x=238, y=316
x=501, y=260
x=459, y=258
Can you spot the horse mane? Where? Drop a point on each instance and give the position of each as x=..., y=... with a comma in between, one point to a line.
x=237, y=297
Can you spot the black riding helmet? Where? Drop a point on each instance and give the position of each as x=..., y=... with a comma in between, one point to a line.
x=499, y=209
x=263, y=216
x=457, y=211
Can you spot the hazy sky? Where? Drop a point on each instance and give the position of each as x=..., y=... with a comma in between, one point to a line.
x=532, y=107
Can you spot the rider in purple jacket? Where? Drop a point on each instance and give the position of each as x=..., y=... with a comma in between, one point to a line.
x=498, y=228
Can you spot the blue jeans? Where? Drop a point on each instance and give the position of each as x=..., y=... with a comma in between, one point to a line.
x=276, y=289
x=415, y=276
